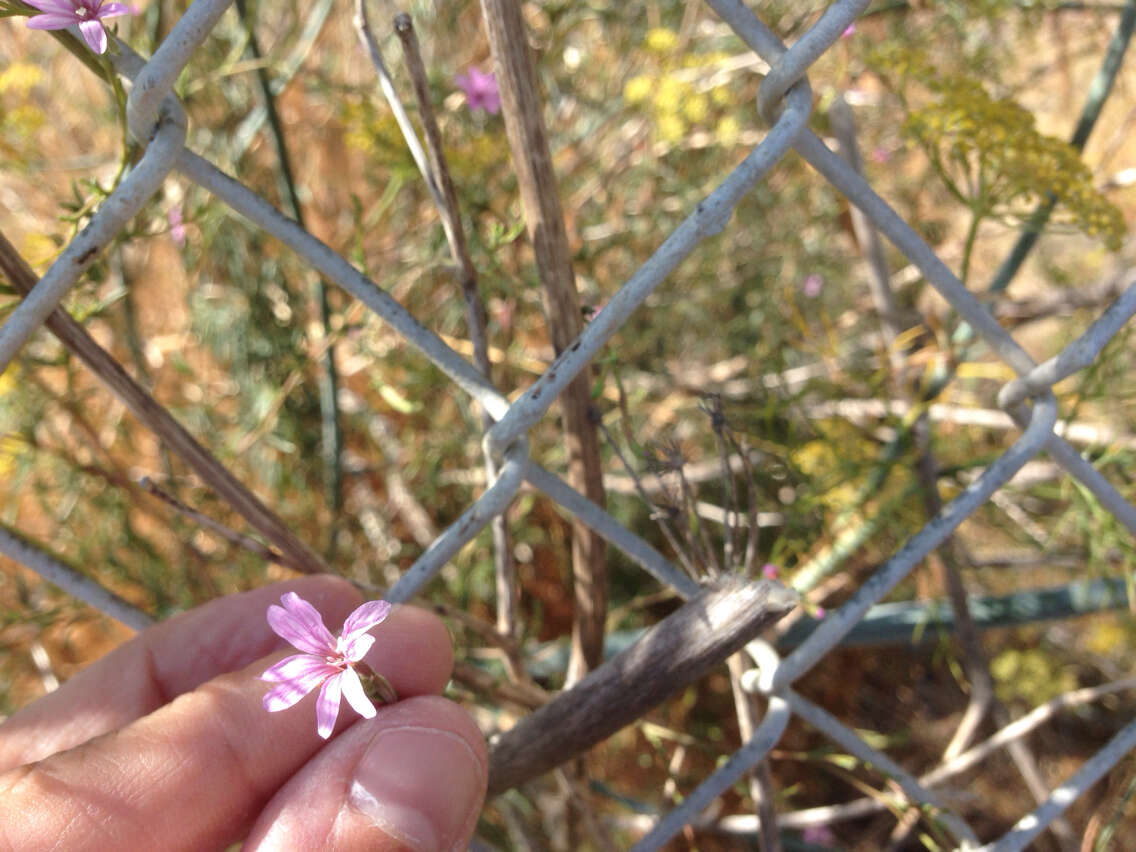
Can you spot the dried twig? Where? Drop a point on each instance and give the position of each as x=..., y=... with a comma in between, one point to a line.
x=418, y=520
x=860, y=808
x=745, y=703
x=675, y=652
x=386, y=85
x=506, y=573
x=532, y=159
x=526, y=695
x=240, y=539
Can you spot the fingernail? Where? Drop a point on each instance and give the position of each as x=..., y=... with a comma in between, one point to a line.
x=420, y=785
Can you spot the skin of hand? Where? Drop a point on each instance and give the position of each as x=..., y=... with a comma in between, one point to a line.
x=164, y=744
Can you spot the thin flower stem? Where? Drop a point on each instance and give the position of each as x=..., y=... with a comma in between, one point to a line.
x=286, y=68
x=976, y=216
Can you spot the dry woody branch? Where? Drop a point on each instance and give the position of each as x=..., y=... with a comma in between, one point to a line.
x=674, y=653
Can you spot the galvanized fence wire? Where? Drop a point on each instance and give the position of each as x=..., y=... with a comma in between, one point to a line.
x=157, y=120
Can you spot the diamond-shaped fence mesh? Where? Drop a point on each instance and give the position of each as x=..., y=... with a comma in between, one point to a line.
x=786, y=102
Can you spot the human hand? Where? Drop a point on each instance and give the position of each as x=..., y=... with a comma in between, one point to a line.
x=164, y=744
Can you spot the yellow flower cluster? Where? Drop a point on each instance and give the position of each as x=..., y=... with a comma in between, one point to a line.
x=991, y=153
x=375, y=132
x=11, y=447
x=678, y=97
x=1033, y=676
x=826, y=469
x=22, y=116
x=20, y=78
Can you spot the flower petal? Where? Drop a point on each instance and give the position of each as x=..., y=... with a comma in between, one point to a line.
x=356, y=696
x=60, y=7
x=365, y=617
x=95, y=35
x=284, y=695
x=327, y=705
x=354, y=649
x=299, y=623
x=50, y=22
x=113, y=10
x=301, y=667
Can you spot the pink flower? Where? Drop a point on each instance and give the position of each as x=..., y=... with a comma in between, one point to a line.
x=819, y=613
x=88, y=14
x=880, y=155
x=327, y=662
x=769, y=570
x=812, y=285
x=849, y=31
x=818, y=834
x=177, y=226
x=480, y=90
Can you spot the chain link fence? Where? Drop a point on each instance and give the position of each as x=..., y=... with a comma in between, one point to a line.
x=786, y=103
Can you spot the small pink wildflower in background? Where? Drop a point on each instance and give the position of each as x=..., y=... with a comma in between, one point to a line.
x=819, y=613
x=502, y=310
x=820, y=834
x=849, y=31
x=812, y=285
x=177, y=226
x=880, y=155
x=480, y=91
x=327, y=662
x=769, y=570
x=88, y=14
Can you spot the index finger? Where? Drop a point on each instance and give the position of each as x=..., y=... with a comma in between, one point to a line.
x=160, y=664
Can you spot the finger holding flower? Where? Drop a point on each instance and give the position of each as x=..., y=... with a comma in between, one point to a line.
x=165, y=742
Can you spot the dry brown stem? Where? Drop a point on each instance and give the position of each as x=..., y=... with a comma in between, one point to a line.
x=532, y=159
x=671, y=655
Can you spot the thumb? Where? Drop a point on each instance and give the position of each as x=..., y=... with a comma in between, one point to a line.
x=413, y=777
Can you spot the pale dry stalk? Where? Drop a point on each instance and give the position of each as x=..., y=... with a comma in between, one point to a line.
x=532, y=160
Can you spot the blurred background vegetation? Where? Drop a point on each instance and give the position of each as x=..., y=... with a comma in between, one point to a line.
x=959, y=108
